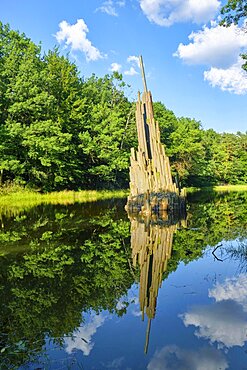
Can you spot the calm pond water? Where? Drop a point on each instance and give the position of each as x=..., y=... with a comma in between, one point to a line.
x=85, y=287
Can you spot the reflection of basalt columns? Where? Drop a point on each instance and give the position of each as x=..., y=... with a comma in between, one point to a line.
x=151, y=249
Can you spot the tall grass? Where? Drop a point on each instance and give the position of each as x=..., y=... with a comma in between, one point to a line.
x=230, y=188
x=15, y=197
x=23, y=198
x=218, y=188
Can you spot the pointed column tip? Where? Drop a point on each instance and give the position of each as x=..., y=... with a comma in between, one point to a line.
x=143, y=74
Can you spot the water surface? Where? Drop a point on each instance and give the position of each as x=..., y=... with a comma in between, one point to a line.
x=84, y=287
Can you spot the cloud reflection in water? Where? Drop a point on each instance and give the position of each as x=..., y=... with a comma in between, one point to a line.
x=225, y=321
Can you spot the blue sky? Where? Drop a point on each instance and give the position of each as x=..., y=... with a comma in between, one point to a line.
x=192, y=65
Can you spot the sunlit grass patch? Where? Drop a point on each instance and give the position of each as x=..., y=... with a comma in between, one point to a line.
x=218, y=188
x=27, y=199
x=230, y=188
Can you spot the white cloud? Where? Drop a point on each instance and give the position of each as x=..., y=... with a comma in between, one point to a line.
x=75, y=36
x=168, y=12
x=232, y=79
x=115, y=67
x=225, y=321
x=215, y=46
x=82, y=338
x=131, y=72
x=218, y=47
x=134, y=60
x=109, y=7
x=174, y=358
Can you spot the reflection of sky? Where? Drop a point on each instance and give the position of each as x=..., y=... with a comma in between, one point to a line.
x=234, y=288
x=132, y=300
x=218, y=313
x=82, y=338
x=224, y=321
x=175, y=358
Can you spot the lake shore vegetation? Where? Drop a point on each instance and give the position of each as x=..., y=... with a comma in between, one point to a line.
x=60, y=131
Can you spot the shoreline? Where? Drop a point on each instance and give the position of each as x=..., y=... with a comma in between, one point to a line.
x=24, y=197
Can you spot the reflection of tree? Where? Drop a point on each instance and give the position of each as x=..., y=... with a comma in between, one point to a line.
x=211, y=218
x=67, y=263
x=59, y=261
x=235, y=251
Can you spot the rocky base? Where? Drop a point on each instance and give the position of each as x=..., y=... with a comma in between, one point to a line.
x=156, y=203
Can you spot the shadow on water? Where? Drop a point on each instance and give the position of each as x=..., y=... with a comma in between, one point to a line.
x=57, y=263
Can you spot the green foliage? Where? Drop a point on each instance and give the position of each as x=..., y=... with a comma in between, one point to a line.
x=202, y=157
x=104, y=130
x=59, y=131
x=234, y=11
x=187, y=152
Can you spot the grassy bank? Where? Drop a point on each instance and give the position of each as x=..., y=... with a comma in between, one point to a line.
x=218, y=188
x=17, y=198
x=230, y=188
x=24, y=199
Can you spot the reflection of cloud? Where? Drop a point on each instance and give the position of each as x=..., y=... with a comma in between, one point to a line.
x=174, y=358
x=136, y=313
x=225, y=321
x=132, y=300
x=115, y=364
x=82, y=338
x=234, y=288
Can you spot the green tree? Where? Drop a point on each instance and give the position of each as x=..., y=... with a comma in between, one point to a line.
x=234, y=11
x=167, y=120
x=105, y=131
x=186, y=152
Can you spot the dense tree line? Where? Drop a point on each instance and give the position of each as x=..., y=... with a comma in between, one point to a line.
x=61, y=131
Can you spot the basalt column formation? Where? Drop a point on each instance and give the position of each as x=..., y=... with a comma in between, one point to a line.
x=151, y=186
